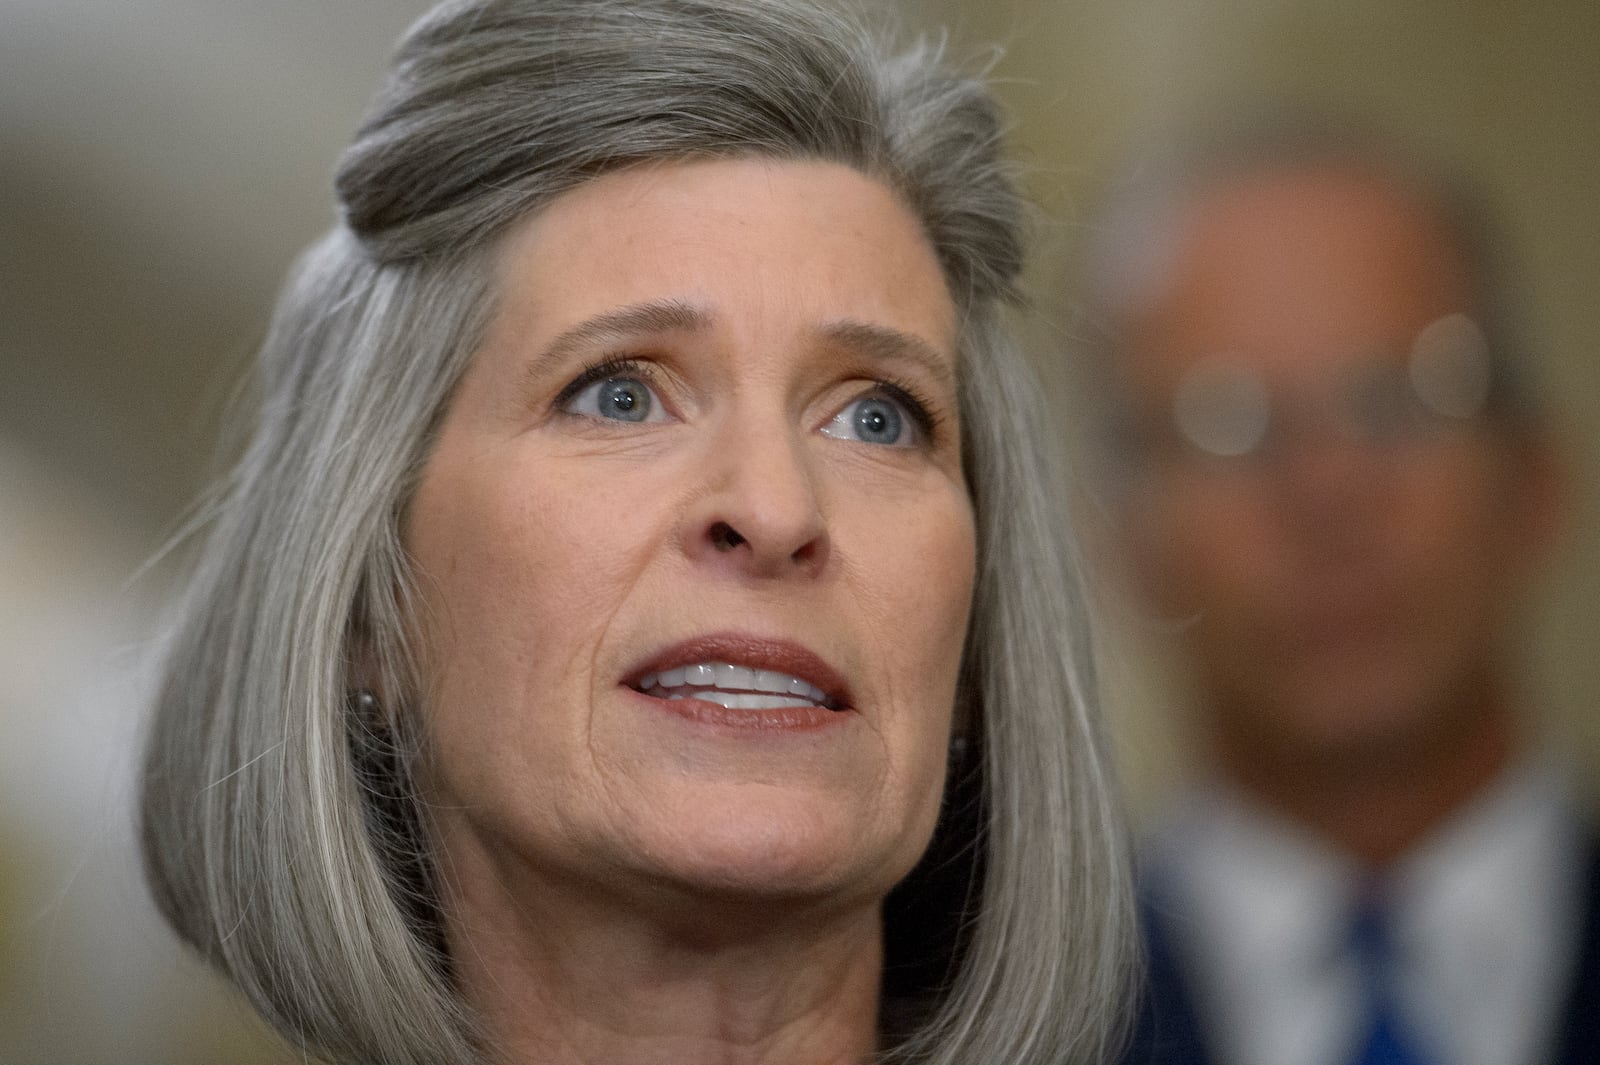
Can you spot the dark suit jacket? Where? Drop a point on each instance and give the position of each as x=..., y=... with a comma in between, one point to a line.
x=1167, y=1029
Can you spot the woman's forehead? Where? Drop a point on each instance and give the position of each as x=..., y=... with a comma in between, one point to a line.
x=763, y=240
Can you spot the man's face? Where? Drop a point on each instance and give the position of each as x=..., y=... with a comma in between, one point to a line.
x=1343, y=541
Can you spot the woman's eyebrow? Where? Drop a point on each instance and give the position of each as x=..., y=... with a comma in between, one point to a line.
x=636, y=319
x=873, y=342
x=881, y=343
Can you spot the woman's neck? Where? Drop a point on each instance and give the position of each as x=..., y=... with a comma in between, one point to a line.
x=565, y=977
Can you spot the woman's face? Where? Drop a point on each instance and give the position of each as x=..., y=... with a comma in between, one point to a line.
x=695, y=549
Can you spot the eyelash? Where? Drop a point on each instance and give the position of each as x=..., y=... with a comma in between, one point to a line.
x=907, y=395
x=922, y=412
x=607, y=368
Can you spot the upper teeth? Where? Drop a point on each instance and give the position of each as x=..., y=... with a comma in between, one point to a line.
x=738, y=687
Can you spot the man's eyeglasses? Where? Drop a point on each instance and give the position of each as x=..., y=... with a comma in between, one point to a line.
x=1223, y=410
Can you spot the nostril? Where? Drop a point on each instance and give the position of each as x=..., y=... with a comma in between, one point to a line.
x=725, y=537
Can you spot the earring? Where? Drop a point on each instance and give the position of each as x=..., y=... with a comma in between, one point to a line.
x=372, y=744
x=958, y=749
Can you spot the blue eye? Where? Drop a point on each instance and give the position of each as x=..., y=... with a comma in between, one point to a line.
x=874, y=419
x=622, y=399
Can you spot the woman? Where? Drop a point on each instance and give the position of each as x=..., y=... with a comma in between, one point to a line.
x=646, y=518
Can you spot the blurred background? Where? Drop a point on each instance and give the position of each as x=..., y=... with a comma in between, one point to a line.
x=161, y=161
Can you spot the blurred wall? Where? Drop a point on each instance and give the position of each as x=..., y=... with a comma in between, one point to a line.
x=162, y=160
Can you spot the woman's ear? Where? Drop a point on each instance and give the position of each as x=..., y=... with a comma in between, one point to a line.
x=964, y=722
x=366, y=684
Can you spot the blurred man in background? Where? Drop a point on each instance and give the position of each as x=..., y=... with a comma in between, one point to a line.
x=1333, y=478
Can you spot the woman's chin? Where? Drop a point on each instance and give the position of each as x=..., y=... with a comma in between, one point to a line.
x=768, y=851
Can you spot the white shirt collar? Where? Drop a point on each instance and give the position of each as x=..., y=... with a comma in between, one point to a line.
x=1484, y=917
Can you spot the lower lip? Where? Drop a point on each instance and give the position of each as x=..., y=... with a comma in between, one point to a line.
x=784, y=719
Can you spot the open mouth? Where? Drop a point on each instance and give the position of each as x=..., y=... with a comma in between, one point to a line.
x=736, y=687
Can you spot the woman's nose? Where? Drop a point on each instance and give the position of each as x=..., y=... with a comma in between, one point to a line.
x=761, y=513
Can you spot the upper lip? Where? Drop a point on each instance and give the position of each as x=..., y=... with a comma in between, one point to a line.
x=757, y=652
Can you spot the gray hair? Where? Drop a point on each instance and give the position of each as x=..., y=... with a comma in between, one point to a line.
x=282, y=835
